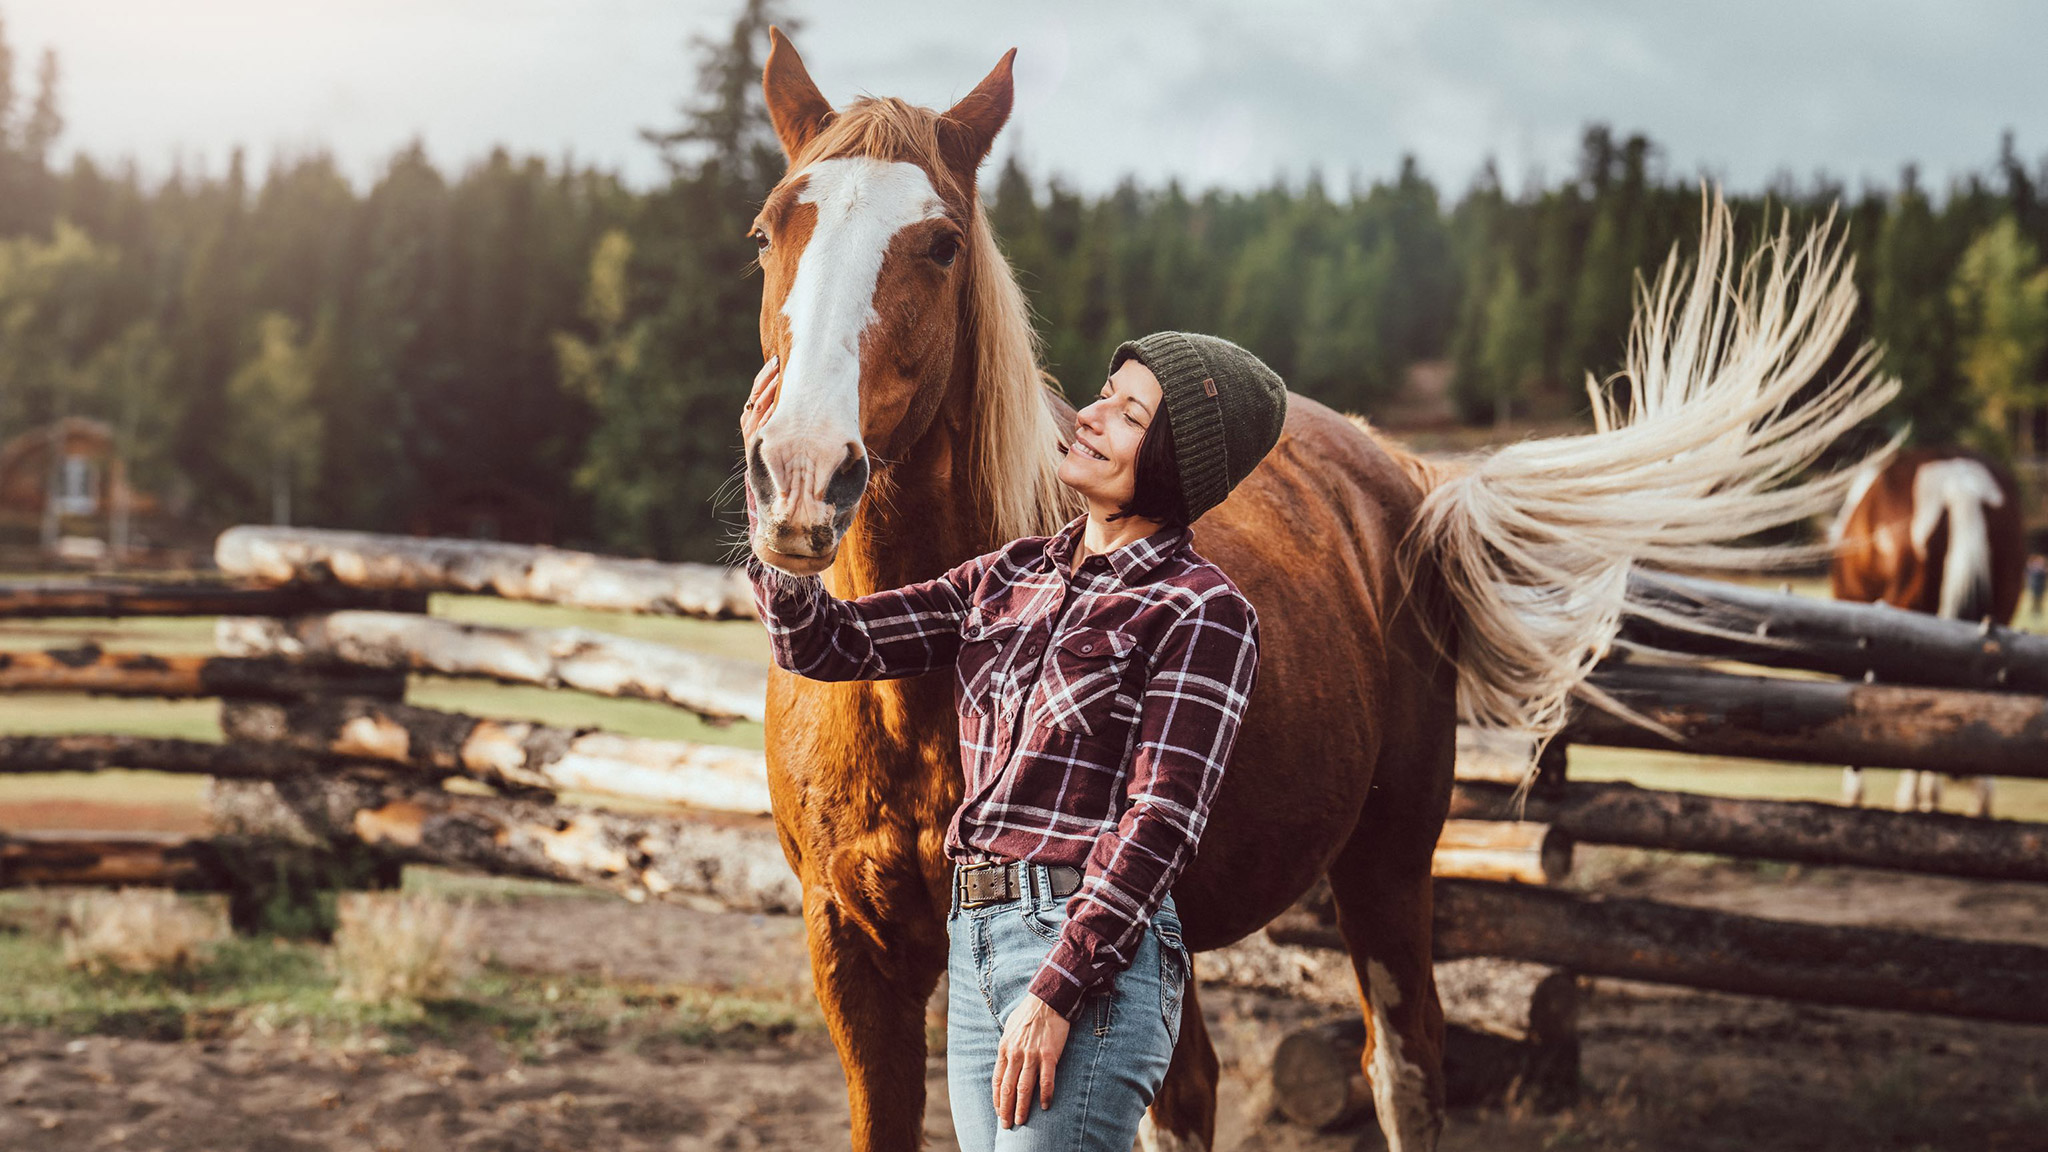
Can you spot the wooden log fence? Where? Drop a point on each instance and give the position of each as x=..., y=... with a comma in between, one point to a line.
x=1853, y=967
x=508, y=754
x=713, y=687
x=91, y=670
x=516, y=572
x=1676, y=613
x=1521, y=851
x=1826, y=722
x=117, y=859
x=315, y=653
x=729, y=862
x=54, y=600
x=98, y=752
x=1856, y=641
x=1937, y=843
x=160, y=860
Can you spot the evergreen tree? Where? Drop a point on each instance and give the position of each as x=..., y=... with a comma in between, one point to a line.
x=275, y=432
x=2000, y=297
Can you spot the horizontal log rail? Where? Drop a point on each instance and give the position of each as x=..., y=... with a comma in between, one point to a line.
x=93, y=670
x=1852, y=640
x=509, y=754
x=115, y=859
x=1522, y=851
x=709, y=860
x=1822, y=722
x=715, y=687
x=44, y=600
x=98, y=752
x=276, y=555
x=1799, y=831
x=1645, y=940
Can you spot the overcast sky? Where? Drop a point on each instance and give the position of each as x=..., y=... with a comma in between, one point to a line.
x=1210, y=91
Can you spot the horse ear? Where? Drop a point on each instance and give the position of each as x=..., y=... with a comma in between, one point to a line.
x=795, y=106
x=968, y=129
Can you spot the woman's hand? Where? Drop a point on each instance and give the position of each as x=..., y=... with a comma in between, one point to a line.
x=761, y=399
x=1033, y=1038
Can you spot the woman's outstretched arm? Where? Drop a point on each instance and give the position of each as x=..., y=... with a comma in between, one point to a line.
x=902, y=632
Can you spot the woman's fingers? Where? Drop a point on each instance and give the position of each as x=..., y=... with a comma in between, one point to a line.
x=1029, y=1051
x=761, y=397
x=1027, y=1087
x=1001, y=1084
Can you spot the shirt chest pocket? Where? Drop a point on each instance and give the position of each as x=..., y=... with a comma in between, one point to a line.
x=1085, y=686
x=979, y=668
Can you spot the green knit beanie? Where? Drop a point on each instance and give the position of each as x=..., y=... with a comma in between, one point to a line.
x=1225, y=407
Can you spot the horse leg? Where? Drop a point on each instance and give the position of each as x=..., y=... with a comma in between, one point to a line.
x=874, y=991
x=1183, y=1116
x=1381, y=885
x=1852, y=787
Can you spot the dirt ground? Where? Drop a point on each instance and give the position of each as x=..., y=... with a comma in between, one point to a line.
x=1662, y=1069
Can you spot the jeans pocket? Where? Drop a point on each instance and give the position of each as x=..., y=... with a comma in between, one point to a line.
x=1174, y=973
x=1045, y=923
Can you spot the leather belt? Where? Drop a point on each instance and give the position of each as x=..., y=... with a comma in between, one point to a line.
x=1001, y=881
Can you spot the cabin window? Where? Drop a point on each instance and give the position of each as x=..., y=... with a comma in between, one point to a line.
x=77, y=487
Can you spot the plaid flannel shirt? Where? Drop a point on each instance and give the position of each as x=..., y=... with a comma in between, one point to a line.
x=1096, y=712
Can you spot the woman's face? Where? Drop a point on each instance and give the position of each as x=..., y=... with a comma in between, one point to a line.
x=1102, y=462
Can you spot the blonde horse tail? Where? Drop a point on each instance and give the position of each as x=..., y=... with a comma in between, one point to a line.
x=1708, y=444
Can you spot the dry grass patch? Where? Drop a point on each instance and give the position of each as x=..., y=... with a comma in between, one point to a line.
x=142, y=930
x=399, y=949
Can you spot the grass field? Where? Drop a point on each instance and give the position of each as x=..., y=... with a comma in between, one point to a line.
x=271, y=983
x=68, y=799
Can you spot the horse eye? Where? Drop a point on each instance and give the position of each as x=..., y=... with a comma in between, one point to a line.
x=759, y=238
x=944, y=249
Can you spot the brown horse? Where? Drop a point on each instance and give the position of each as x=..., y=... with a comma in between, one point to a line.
x=1936, y=531
x=913, y=430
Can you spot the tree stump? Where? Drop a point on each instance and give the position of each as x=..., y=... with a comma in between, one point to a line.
x=1510, y=1032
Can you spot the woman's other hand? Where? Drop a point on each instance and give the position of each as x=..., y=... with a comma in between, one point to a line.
x=1033, y=1038
x=761, y=398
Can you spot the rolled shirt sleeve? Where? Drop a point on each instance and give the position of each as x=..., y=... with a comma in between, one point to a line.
x=1194, y=701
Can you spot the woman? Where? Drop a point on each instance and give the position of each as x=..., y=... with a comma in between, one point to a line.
x=1101, y=674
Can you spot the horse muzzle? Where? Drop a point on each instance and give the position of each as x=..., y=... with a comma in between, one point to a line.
x=804, y=502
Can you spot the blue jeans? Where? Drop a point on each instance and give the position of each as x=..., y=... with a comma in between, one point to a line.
x=1117, y=1050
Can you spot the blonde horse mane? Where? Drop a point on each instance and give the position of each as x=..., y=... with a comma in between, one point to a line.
x=1015, y=439
x=1535, y=541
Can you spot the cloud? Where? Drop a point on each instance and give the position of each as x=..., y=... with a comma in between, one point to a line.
x=1209, y=91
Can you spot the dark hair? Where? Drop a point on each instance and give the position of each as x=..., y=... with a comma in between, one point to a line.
x=1155, y=491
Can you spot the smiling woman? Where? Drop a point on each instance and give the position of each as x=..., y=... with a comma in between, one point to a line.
x=1100, y=673
x=1133, y=450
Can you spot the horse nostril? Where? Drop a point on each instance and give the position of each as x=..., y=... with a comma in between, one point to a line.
x=758, y=477
x=849, y=480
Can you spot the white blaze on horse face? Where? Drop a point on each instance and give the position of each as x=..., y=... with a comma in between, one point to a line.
x=862, y=203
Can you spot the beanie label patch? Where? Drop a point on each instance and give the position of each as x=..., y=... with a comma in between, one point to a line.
x=1209, y=386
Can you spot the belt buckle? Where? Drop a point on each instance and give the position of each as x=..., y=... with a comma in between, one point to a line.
x=986, y=883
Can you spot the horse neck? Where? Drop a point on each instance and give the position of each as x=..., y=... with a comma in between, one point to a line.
x=923, y=514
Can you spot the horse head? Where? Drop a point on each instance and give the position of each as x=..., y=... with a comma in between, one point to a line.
x=866, y=249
